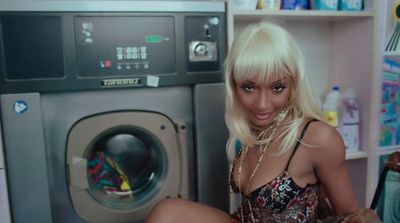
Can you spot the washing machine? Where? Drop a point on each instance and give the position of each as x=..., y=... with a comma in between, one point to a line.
x=105, y=107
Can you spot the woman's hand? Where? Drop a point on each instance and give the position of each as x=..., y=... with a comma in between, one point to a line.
x=363, y=215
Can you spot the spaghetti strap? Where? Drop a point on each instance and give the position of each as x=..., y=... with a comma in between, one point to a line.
x=298, y=142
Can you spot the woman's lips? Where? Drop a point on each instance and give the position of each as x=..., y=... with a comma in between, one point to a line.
x=263, y=116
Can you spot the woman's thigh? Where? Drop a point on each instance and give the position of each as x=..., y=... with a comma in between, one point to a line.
x=183, y=211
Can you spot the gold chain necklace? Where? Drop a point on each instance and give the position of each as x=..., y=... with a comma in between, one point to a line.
x=243, y=151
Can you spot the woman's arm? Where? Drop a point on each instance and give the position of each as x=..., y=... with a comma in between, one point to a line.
x=329, y=163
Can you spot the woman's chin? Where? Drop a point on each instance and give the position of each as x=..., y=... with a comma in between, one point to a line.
x=261, y=123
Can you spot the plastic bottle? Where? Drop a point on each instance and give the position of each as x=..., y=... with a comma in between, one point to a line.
x=331, y=107
x=269, y=4
x=349, y=124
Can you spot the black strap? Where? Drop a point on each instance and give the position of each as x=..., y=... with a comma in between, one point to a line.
x=298, y=141
x=379, y=188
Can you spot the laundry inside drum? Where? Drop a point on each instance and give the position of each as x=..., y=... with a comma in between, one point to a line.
x=123, y=169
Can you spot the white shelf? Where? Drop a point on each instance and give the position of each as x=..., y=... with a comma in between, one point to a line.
x=387, y=150
x=391, y=53
x=352, y=155
x=300, y=15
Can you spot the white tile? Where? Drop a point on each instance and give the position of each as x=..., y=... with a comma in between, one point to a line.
x=5, y=216
x=3, y=194
x=1, y=151
x=3, y=187
x=1, y=155
x=2, y=178
x=4, y=204
x=4, y=210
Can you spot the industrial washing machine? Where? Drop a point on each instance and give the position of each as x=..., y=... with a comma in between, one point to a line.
x=109, y=107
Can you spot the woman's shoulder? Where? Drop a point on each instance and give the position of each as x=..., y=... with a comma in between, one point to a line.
x=324, y=142
x=319, y=133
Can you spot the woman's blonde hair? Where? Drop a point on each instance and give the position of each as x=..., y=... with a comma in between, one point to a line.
x=259, y=51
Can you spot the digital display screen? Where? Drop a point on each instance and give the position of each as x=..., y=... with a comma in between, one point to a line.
x=153, y=39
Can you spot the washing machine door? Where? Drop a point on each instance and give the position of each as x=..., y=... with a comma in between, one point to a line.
x=120, y=164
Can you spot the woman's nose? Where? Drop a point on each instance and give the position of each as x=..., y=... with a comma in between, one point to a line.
x=262, y=101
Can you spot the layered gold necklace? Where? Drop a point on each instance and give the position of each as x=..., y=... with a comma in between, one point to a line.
x=263, y=141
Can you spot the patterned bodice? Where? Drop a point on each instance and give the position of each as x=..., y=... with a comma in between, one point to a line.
x=280, y=200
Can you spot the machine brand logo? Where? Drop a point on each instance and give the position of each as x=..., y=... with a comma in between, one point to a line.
x=121, y=82
x=20, y=106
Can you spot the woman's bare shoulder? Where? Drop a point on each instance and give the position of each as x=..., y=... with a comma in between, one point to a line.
x=327, y=155
x=325, y=144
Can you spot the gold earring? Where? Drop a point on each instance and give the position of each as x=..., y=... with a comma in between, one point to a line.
x=282, y=113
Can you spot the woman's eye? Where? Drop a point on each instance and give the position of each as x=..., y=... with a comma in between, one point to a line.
x=247, y=87
x=278, y=88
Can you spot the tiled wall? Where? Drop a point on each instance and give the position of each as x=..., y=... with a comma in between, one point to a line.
x=4, y=204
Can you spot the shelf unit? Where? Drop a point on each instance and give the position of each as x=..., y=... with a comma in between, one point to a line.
x=299, y=15
x=341, y=48
x=351, y=155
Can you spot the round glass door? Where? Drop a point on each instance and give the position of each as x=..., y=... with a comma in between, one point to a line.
x=125, y=168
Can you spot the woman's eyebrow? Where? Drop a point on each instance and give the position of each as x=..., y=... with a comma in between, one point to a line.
x=280, y=81
x=248, y=81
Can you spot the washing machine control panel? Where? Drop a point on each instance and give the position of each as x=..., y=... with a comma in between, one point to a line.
x=125, y=46
x=51, y=48
x=203, y=35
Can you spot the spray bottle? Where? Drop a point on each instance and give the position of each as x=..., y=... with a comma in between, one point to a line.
x=349, y=124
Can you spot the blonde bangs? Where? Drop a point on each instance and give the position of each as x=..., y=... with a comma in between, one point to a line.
x=257, y=61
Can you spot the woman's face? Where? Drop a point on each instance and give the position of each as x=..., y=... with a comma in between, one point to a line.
x=262, y=102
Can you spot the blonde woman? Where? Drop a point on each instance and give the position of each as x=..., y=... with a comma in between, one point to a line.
x=280, y=151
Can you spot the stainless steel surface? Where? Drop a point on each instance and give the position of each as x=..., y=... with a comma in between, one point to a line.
x=211, y=135
x=26, y=159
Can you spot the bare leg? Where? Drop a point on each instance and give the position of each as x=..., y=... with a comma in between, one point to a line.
x=182, y=211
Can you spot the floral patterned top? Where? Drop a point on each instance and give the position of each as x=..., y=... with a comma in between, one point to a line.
x=280, y=200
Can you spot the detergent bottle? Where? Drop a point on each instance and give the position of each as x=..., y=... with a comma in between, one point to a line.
x=349, y=124
x=331, y=107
